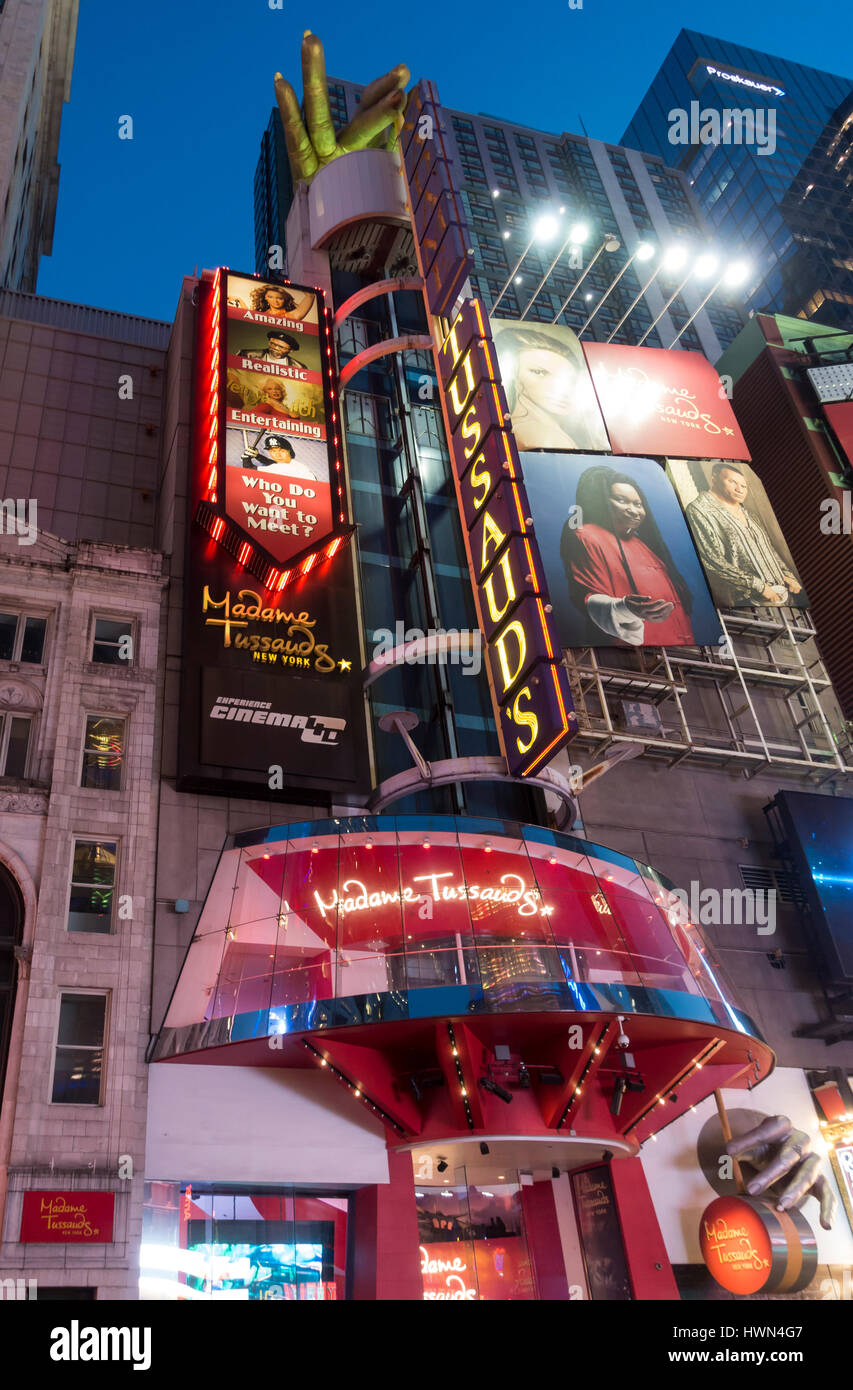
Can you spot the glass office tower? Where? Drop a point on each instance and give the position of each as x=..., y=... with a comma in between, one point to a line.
x=785, y=195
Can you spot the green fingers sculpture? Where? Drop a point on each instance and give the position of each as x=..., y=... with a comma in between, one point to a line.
x=312, y=143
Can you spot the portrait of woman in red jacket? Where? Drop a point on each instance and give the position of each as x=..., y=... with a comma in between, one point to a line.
x=619, y=569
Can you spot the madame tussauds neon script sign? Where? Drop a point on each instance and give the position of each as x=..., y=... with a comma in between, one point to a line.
x=529, y=900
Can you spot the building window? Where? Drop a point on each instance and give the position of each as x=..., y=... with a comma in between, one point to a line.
x=93, y=874
x=22, y=638
x=103, y=752
x=112, y=641
x=78, y=1065
x=14, y=745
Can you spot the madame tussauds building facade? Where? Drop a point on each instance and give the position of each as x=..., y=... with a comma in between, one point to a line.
x=421, y=1034
x=501, y=1013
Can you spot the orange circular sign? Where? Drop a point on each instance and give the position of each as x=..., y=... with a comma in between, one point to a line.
x=736, y=1244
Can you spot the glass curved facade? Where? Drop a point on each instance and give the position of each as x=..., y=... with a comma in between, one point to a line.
x=323, y=924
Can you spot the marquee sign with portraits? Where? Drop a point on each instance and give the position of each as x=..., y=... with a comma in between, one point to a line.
x=271, y=466
x=271, y=700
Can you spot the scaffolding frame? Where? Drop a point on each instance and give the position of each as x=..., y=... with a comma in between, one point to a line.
x=766, y=657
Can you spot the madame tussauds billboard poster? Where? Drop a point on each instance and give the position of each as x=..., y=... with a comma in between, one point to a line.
x=548, y=387
x=739, y=540
x=620, y=566
x=277, y=479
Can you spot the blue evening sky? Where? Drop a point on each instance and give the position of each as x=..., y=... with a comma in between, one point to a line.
x=196, y=76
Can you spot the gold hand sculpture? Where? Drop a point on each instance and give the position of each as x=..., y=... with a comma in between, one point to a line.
x=309, y=149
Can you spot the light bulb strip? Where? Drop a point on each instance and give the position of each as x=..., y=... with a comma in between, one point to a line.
x=356, y=1089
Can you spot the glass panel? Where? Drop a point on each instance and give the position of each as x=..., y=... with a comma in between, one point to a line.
x=94, y=861
x=103, y=752
x=92, y=878
x=32, y=646
x=81, y=1020
x=436, y=912
x=77, y=1076
x=243, y=1245
x=90, y=909
x=472, y=1242
x=107, y=645
x=8, y=628
x=16, y=750
x=370, y=929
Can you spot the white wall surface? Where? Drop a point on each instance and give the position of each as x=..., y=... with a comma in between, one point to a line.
x=258, y=1124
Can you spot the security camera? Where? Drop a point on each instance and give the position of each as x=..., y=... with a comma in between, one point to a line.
x=623, y=1041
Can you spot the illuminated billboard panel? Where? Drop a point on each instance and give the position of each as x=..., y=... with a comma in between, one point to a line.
x=548, y=387
x=619, y=564
x=278, y=410
x=664, y=402
x=271, y=699
x=737, y=536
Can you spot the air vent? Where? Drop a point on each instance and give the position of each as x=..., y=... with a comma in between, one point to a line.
x=760, y=879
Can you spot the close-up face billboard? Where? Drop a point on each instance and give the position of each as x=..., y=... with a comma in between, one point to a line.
x=620, y=566
x=548, y=387
x=736, y=533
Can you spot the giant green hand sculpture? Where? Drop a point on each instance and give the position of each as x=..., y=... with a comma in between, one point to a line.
x=313, y=143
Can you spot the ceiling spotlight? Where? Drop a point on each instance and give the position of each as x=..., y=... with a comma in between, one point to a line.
x=618, y=1093
x=645, y=251
x=518, y=279
x=496, y=192
x=484, y=1148
x=442, y=1164
x=506, y=236
x=612, y=243
x=579, y=233
x=492, y=1086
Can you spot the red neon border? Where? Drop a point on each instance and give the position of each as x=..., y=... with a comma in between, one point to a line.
x=210, y=424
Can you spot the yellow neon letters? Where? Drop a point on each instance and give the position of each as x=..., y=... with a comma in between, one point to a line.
x=526, y=718
x=520, y=636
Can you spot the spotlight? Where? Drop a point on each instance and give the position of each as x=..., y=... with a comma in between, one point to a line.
x=442, y=1165
x=555, y=1172
x=484, y=1148
x=496, y=1090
